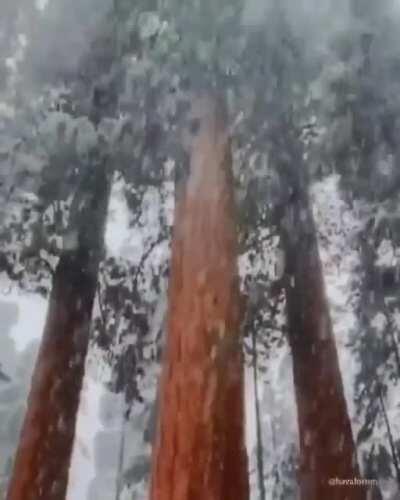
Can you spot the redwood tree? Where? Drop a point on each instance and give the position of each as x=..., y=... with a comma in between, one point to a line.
x=327, y=449
x=45, y=447
x=200, y=451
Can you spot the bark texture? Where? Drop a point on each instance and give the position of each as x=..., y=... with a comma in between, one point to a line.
x=45, y=447
x=199, y=451
x=327, y=449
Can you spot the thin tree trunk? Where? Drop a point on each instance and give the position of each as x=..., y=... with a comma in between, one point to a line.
x=260, y=448
x=370, y=473
x=327, y=448
x=390, y=434
x=43, y=456
x=121, y=458
x=391, y=330
x=200, y=451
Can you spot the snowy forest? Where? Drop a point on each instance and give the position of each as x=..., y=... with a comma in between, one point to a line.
x=199, y=250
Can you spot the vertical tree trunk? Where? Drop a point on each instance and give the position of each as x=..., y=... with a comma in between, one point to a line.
x=121, y=454
x=374, y=492
x=260, y=446
x=44, y=452
x=327, y=448
x=200, y=451
x=390, y=434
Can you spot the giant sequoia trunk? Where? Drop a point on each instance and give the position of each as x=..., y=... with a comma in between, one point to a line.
x=200, y=451
x=43, y=456
x=327, y=448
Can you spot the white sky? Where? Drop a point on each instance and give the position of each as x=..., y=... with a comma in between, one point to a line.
x=31, y=317
x=117, y=228
x=41, y=4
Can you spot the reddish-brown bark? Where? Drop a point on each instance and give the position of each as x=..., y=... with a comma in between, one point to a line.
x=327, y=449
x=200, y=452
x=44, y=452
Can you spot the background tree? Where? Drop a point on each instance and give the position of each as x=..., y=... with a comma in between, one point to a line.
x=360, y=145
x=47, y=434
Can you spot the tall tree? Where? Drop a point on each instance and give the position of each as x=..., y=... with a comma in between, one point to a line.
x=43, y=456
x=200, y=452
x=327, y=448
x=362, y=145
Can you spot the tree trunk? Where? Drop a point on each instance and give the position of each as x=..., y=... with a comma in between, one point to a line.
x=327, y=449
x=260, y=446
x=43, y=457
x=199, y=451
x=370, y=473
x=390, y=435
